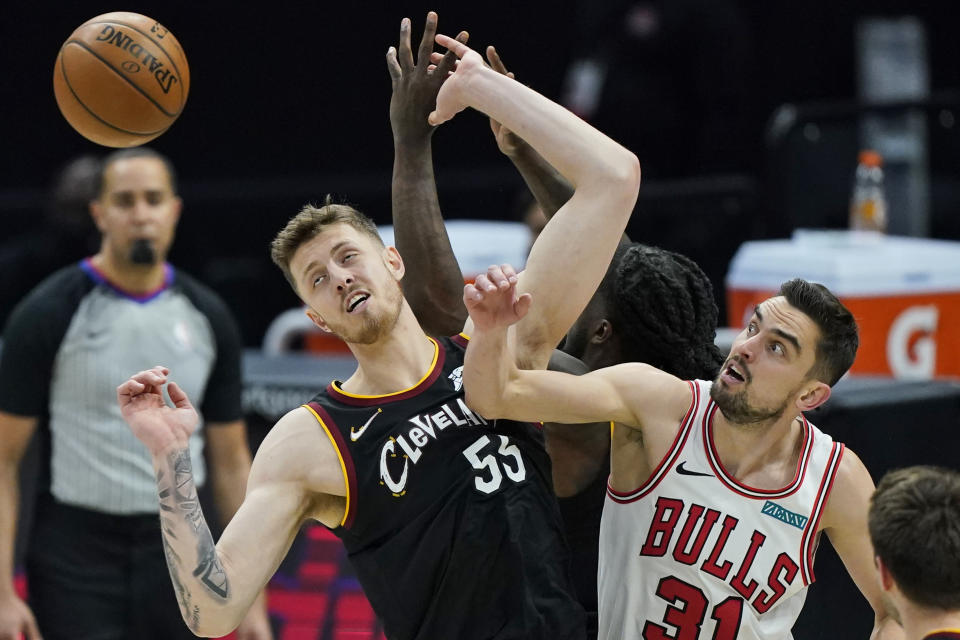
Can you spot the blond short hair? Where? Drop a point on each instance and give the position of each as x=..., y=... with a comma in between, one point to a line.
x=308, y=224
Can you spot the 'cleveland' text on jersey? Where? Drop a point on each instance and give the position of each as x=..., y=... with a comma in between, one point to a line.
x=451, y=523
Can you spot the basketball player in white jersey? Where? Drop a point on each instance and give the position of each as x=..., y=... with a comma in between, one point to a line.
x=718, y=491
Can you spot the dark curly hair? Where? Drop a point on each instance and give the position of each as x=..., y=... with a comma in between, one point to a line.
x=661, y=305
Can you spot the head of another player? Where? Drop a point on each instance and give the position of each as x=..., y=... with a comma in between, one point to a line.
x=795, y=347
x=652, y=306
x=336, y=262
x=136, y=207
x=915, y=529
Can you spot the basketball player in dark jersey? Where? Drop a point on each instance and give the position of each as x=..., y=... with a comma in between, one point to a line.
x=652, y=306
x=448, y=518
x=915, y=529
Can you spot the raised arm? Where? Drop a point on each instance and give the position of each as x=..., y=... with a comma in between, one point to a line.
x=433, y=283
x=215, y=585
x=572, y=253
x=845, y=522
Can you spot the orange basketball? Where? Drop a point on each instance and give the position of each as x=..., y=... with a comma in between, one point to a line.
x=121, y=79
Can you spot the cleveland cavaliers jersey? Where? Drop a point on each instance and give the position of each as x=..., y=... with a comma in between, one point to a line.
x=451, y=523
x=694, y=554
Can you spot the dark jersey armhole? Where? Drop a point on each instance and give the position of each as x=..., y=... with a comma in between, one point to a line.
x=343, y=456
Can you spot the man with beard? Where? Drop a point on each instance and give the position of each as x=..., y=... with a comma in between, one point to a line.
x=915, y=530
x=448, y=518
x=95, y=567
x=652, y=306
x=718, y=491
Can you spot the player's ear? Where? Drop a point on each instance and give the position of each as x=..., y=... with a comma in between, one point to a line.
x=391, y=258
x=602, y=331
x=886, y=580
x=317, y=320
x=813, y=395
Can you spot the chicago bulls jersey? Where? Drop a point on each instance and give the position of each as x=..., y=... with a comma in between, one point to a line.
x=451, y=523
x=695, y=555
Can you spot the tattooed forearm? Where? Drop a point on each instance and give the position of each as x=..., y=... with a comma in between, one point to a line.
x=183, y=593
x=180, y=505
x=209, y=569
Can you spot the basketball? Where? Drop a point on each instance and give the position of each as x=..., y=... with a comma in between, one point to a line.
x=121, y=79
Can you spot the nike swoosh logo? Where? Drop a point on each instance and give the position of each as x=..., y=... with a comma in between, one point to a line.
x=686, y=472
x=355, y=434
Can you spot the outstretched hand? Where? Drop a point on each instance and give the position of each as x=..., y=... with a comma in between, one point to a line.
x=492, y=299
x=508, y=142
x=469, y=63
x=416, y=83
x=156, y=425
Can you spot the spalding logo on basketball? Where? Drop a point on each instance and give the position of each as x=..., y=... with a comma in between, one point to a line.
x=121, y=79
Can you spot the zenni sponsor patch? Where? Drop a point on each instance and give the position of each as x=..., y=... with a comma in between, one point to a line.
x=784, y=515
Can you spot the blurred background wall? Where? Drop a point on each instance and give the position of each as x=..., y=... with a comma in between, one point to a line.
x=289, y=102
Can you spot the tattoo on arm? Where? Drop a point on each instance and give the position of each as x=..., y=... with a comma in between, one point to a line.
x=179, y=504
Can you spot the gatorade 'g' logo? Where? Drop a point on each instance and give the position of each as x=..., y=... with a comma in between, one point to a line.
x=911, y=348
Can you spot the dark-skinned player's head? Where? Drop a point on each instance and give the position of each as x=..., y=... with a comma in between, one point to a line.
x=653, y=306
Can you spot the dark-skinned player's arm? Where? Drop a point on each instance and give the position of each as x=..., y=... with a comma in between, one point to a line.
x=433, y=283
x=550, y=189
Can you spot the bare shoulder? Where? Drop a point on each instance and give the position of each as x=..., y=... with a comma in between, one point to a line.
x=297, y=450
x=654, y=395
x=850, y=495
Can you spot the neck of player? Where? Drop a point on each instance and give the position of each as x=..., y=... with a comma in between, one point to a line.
x=919, y=623
x=397, y=361
x=763, y=456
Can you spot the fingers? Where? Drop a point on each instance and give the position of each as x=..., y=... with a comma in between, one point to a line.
x=129, y=389
x=509, y=272
x=177, y=396
x=405, y=53
x=493, y=59
x=426, y=42
x=501, y=276
x=141, y=382
x=471, y=294
x=497, y=278
x=393, y=67
x=157, y=376
x=458, y=48
x=448, y=61
x=522, y=305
